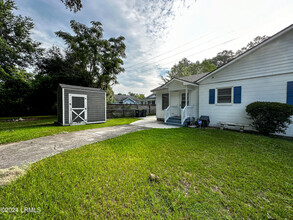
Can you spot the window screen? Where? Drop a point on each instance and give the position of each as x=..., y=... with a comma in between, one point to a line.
x=183, y=100
x=224, y=95
x=165, y=101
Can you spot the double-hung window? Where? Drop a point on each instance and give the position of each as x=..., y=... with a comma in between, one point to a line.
x=183, y=100
x=165, y=101
x=224, y=95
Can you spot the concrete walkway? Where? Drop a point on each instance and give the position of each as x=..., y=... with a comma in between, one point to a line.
x=30, y=151
x=151, y=122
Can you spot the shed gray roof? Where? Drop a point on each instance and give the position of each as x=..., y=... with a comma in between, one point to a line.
x=191, y=79
x=121, y=98
x=81, y=88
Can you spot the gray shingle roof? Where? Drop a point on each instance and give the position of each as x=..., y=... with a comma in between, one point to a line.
x=120, y=98
x=80, y=87
x=191, y=79
x=151, y=96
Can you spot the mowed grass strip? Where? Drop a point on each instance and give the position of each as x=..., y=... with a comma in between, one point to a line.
x=204, y=173
x=41, y=126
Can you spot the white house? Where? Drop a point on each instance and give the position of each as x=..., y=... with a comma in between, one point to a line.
x=149, y=100
x=263, y=73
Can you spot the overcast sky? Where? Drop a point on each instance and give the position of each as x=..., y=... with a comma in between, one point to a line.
x=156, y=37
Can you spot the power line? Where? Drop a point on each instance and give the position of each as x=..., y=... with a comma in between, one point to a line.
x=197, y=52
x=175, y=48
x=130, y=69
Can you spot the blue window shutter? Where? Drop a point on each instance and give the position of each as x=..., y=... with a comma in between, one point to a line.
x=290, y=93
x=237, y=94
x=212, y=96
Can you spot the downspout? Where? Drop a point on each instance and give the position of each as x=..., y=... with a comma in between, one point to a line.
x=197, y=102
x=186, y=91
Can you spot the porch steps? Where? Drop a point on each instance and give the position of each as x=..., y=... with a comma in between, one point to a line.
x=175, y=120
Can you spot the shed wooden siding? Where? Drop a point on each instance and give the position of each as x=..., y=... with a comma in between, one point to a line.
x=95, y=104
x=274, y=58
x=59, y=105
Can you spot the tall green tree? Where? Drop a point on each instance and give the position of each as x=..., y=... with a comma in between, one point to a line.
x=17, y=49
x=256, y=41
x=53, y=68
x=99, y=59
x=136, y=95
x=222, y=58
x=226, y=55
x=199, y=67
x=177, y=70
x=187, y=68
x=73, y=5
x=17, y=53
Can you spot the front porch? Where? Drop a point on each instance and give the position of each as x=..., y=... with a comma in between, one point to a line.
x=182, y=103
x=174, y=115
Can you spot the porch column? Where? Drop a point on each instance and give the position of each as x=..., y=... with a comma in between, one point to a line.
x=169, y=97
x=186, y=91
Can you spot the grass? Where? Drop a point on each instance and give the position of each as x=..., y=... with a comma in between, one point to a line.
x=44, y=126
x=204, y=173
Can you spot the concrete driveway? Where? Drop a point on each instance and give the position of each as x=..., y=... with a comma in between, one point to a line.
x=151, y=122
x=30, y=151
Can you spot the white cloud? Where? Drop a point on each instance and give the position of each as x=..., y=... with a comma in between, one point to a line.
x=193, y=31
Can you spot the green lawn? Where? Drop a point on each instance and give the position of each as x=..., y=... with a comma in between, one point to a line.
x=204, y=173
x=43, y=126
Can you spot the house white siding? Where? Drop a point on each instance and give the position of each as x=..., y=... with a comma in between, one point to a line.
x=263, y=75
x=174, y=98
x=270, y=88
x=128, y=101
x=175, y=91
x=194, y=99
x=159, y=111
x=276, y=57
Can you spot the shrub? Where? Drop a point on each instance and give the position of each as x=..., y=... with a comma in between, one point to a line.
x=270, y=117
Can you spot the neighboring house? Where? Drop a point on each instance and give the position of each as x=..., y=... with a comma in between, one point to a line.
x=150, y=100
x=126, y=99
x=263, y=73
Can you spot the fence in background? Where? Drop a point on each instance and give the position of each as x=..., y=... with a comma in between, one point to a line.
x=128, y=110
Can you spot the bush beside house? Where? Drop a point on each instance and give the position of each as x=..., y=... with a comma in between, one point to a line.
x=270, y=117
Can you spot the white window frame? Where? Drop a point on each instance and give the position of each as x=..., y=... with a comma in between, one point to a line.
x=188, y=99
x=232, y=95
x=70, y=95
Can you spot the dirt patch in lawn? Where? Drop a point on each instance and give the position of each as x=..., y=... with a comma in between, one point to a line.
x=19, y=119
x=10, y=174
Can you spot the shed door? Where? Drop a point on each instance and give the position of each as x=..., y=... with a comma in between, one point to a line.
x=77, y=109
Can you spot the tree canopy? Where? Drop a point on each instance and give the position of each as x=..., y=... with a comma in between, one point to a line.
x=89, y=60
x=28, y=74
x=73, y=5
x=17, y=49
x=187, y=68
x=17, y=52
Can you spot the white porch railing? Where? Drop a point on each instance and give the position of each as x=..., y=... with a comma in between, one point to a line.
x=171, y=111
x=188, y=111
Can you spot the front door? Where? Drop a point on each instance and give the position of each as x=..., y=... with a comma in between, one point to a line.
x=77, y=109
